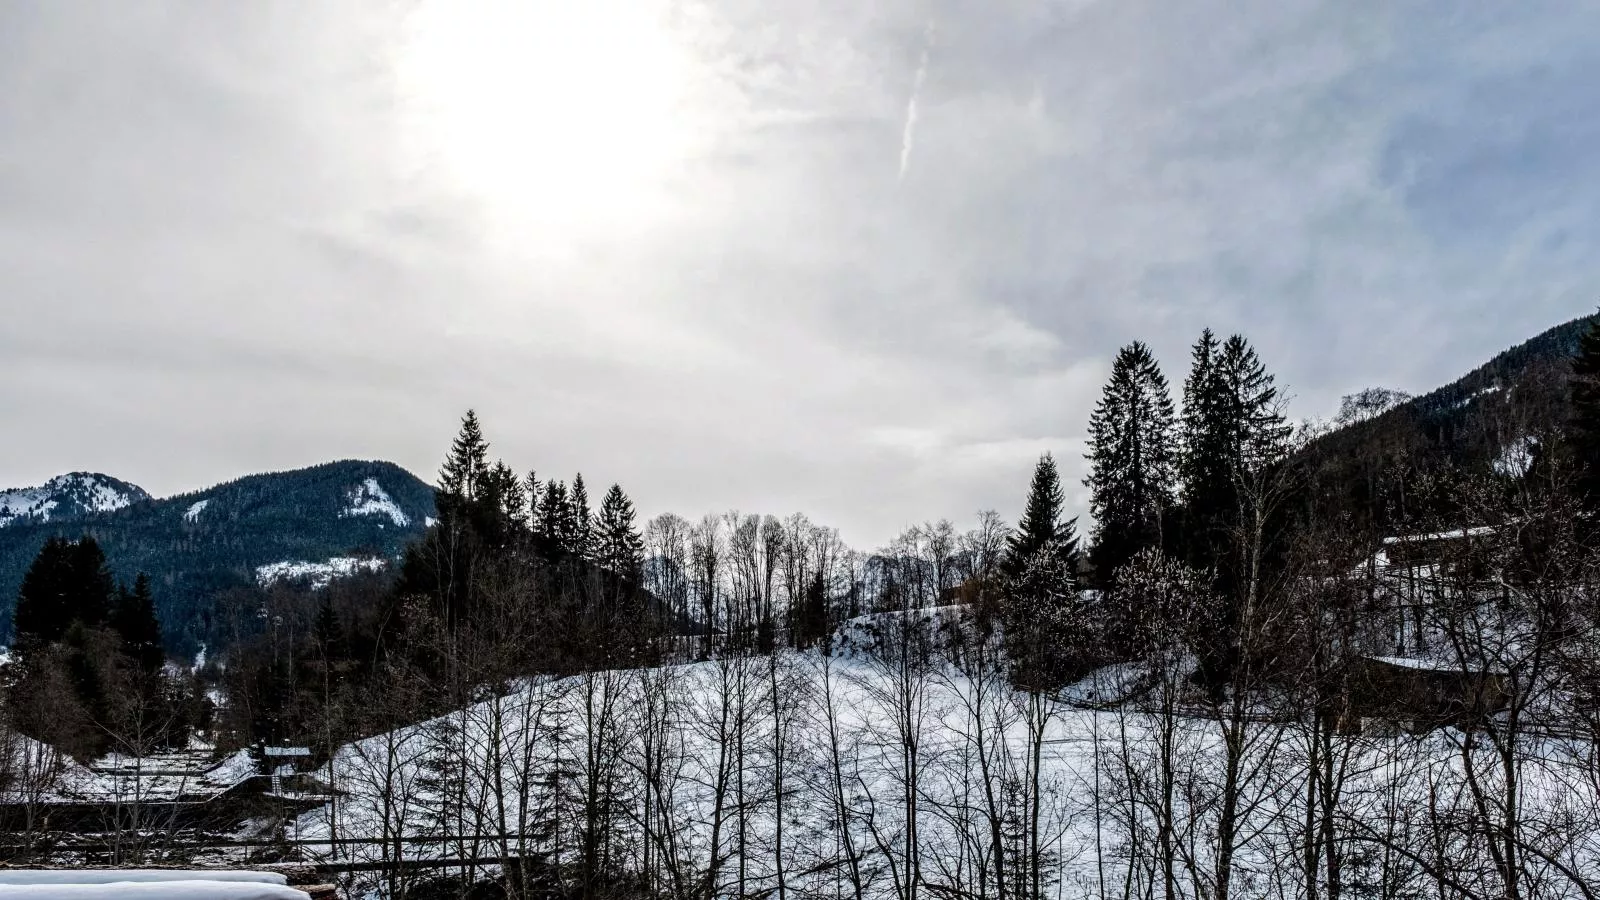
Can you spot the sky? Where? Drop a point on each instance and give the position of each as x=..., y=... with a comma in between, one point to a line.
x=862, y=260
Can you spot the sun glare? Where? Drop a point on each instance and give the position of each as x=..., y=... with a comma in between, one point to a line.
x=549, y=112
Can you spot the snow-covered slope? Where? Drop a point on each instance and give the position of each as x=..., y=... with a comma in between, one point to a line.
x=69, y=496
x=860, y=735
x=370, y=499
x=318, y=574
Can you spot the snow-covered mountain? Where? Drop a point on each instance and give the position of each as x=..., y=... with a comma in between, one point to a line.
x=71, y=496
x=304, y=527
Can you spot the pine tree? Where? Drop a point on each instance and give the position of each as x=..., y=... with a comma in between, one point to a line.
x=1583, y=437
x=1039, y=587
x=326, y=632
x=1046, y=632
x=67, y=584
x=532, y=490
x=465, y=468
x=619, y=548
x=554, y=528
x=135, y=623
x=1232, y=429
x=1260, y=436
x=501, y=510
x=582, y=520
x=1041, y=524
x=1132, y=453
x=1234, y=432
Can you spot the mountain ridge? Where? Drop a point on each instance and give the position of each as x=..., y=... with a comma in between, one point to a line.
x=201, y=545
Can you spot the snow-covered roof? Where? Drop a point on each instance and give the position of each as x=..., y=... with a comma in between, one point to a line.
x=121, y=884
x=1436, y=665
x=1459, y=533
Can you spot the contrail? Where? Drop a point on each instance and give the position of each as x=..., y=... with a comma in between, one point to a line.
x=909, y=133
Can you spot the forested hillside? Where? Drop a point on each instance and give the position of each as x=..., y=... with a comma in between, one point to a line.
x=1498, y=418
x=197, y=547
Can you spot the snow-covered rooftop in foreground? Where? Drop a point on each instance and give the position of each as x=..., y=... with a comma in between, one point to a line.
x=370, y=499
x=10, y=877
x=320, y=574
x=189, y=889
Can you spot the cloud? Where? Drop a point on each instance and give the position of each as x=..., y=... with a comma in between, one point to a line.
x=909, y=132
x=227, y=247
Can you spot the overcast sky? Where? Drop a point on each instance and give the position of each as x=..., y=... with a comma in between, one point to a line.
x=864, y=260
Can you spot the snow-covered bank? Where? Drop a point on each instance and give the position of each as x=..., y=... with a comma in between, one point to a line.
x=810, y=771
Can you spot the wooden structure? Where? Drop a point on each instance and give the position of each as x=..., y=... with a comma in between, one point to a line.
x=1424, y=693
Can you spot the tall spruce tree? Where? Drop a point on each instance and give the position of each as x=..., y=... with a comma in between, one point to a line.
x=67, y=585
x=1232, y=429
x=1583, y=435
x=553, y=527
x=134, y=621
x=465, y=469
x=1132, y=455
x=442, y=566
x=1039, y=587
x=619, y=547
x=1041, y=526
x=582, y=519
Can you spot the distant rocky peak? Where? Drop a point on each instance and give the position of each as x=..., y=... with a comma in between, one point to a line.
x=75, y=495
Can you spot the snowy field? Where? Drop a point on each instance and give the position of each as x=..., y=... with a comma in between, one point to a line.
x=859, y=776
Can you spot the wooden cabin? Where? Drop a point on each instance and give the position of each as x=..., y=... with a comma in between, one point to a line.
x=1423, y=694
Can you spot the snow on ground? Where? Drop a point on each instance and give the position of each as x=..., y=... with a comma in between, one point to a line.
x=1516, y=458
x=1481, y=392
x=42, y=774
x=192, y=514
x=320, y=574
x=102, y=496
x=232, y=770
x=1111, y=684
x=370, y=499
x=27, y=503
x=506, y=748
x=93, y=492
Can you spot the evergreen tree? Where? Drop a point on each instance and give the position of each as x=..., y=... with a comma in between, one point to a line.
x=582, y=544
x=1042, y=605
x=443, y=567
x=1232, y=429
x=619, y=547
x=326, y=632
x=1234, y=432
x=1583, y=437
x=1041, y=524
x=532, y=490
x=68, y=584
x=134, y=621
x=466, y=467
x=554, y=528
x=1260, y=434
x=1047, y=635
x=1132, y=454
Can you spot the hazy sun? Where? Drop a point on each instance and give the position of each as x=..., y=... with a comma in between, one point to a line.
x=556, y=112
